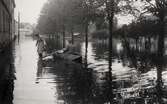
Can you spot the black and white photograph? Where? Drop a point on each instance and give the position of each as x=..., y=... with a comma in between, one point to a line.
x=83, y=51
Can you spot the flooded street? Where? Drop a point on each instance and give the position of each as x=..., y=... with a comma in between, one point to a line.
x=32, y=85
x=138, y=75
x=83, y=52
x=57, y=82
x=29, y=80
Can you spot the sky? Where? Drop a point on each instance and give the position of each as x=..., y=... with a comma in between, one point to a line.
x=29, y=10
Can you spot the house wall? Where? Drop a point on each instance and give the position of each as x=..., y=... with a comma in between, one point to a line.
x=6, y=22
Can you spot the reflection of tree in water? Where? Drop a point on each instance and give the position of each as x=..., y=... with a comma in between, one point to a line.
x=160, y=67
x=86, y=56
x=7, y=76
x=77, y=85
x=143, y=61
x=100, y=48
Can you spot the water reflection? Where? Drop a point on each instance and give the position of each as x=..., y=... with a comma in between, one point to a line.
x=100, y=48
x=76, y=85
x=7, y=76
x=138, y=74
x=148, y=67
x=40, y=69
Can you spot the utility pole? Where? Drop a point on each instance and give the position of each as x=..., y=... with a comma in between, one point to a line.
x=18, y=26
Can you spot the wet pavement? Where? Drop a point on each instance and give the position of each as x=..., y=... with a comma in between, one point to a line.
x=29, y=89
x=56, y=82
x=136, y=77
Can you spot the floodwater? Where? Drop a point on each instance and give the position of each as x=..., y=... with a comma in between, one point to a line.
x=136, y=78
x=55, y=82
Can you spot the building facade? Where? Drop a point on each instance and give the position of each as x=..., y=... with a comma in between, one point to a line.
x=7, y=23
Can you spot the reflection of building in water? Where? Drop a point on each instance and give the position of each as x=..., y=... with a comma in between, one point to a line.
x=6, y=22
x=7, y=77
x=6, y=61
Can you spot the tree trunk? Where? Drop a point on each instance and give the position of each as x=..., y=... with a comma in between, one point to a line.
x=161, y=40
x=72, y=35
x=64, y=34
x=110, y=43
x=160, y=51
x=110, y=13
x=86, y=43
x=160, y=60
x=86, y=34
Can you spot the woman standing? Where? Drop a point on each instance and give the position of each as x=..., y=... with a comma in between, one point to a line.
x=40, y=46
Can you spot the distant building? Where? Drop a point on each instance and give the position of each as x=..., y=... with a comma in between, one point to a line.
x=26, y=29
x=6, y=22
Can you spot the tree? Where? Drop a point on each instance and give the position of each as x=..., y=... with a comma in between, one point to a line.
x=113, y=7
x=57, y=16
x=158, y=8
